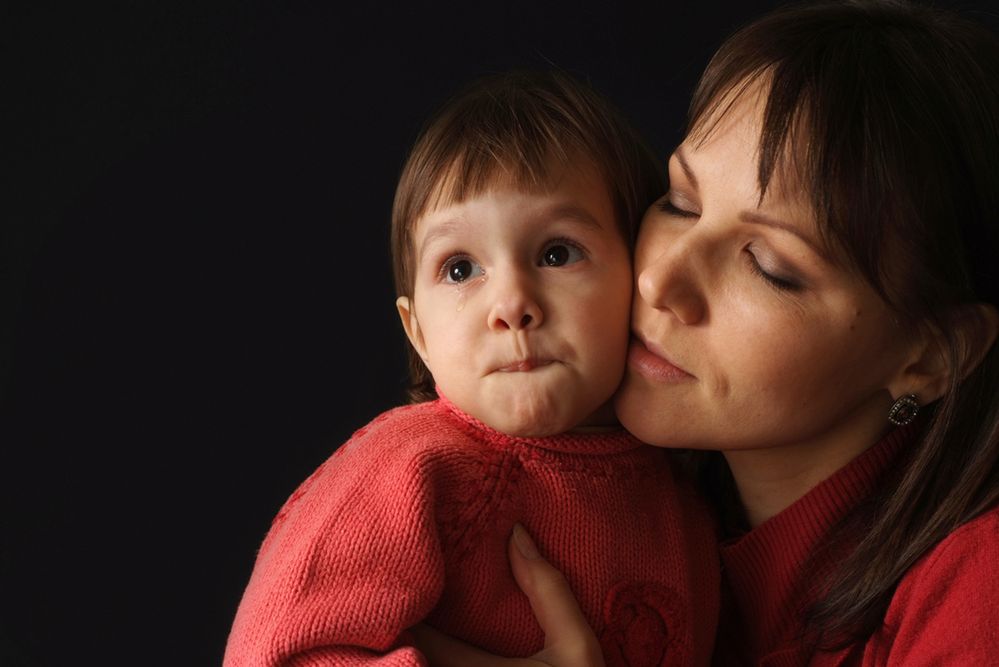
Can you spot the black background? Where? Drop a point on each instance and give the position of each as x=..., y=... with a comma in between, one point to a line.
x=196, y=268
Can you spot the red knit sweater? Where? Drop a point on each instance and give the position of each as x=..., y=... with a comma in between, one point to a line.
x=945, y=610
x=409, y=522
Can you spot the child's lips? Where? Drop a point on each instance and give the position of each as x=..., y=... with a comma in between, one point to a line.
x=523, y=365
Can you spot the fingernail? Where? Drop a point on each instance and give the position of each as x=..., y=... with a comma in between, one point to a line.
x=525, y=545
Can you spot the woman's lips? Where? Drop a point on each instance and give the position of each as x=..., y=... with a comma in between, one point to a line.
x=654, y=366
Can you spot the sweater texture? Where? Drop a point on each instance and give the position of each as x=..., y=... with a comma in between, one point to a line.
x=409, y=522
x=944, y=611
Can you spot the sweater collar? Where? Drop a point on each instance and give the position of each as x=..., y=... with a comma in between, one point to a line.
x=765, y=568
x=593, y=443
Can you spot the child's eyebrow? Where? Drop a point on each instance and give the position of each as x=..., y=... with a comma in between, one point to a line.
x=556, y=212
x=443, y=229
x=570, y=212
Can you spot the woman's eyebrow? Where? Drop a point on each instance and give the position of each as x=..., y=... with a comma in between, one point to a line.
x=757, y=218
x=688, y=172
x=754, y=217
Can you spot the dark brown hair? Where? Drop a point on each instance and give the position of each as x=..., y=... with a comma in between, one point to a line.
x=515, y=127
x=887, y=111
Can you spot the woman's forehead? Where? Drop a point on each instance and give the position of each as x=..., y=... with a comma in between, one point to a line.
x=743, y=97
x=736, y=124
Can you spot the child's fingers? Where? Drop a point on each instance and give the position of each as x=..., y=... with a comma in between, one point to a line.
x=569, y=639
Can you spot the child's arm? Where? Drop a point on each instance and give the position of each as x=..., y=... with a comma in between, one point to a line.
x=352, y=560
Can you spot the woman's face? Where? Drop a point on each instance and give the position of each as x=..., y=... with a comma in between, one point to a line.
x=748, y=332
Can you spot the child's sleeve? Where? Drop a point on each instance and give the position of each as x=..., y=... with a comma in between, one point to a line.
x=351, y=561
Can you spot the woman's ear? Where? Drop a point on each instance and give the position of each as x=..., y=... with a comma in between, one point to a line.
x=412, y=326
x=929, y=370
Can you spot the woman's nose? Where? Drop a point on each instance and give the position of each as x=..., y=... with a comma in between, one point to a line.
x=670, y=281
x=514, y=305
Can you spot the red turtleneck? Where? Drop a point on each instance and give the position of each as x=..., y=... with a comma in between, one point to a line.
x=945, y=610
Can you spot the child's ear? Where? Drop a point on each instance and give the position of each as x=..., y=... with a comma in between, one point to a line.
x=412, y=326
x=930, y=367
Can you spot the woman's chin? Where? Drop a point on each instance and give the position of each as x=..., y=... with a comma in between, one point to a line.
x=643, y=418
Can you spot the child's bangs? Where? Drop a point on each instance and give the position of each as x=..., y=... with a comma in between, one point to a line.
x=476, y=168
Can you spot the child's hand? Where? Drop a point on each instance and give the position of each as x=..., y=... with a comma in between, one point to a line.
x=569, y=640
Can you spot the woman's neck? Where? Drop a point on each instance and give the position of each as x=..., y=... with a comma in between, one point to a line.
x=771, y=479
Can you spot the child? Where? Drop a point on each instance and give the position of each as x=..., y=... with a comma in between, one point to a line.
x=511, y=235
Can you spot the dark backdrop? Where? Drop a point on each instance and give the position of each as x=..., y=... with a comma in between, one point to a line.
x=195, y=258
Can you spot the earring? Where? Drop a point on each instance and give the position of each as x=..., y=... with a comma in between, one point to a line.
x=903, y=410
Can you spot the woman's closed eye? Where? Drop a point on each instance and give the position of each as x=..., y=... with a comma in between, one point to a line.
x=667, y=206
x=778, y=282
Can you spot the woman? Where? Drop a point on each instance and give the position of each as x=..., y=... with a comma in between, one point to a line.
x=822, y=270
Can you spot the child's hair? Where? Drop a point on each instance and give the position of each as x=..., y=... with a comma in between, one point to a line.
x=889, y=113
x=516, y=127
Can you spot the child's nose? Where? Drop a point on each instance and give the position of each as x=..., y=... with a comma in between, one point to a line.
x=514, y=306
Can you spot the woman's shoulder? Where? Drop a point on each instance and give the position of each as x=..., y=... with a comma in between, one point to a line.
x=946, y=603
x=973, y=548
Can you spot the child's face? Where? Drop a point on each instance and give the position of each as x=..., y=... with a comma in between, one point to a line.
x=520, y=304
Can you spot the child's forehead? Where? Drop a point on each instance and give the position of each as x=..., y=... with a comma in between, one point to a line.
x=571, y=199
x=533, y=209
x=457, y=186
x=447, y=196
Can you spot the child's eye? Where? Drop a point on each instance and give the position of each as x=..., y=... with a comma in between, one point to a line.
x=459, y=269
x=561, y=253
